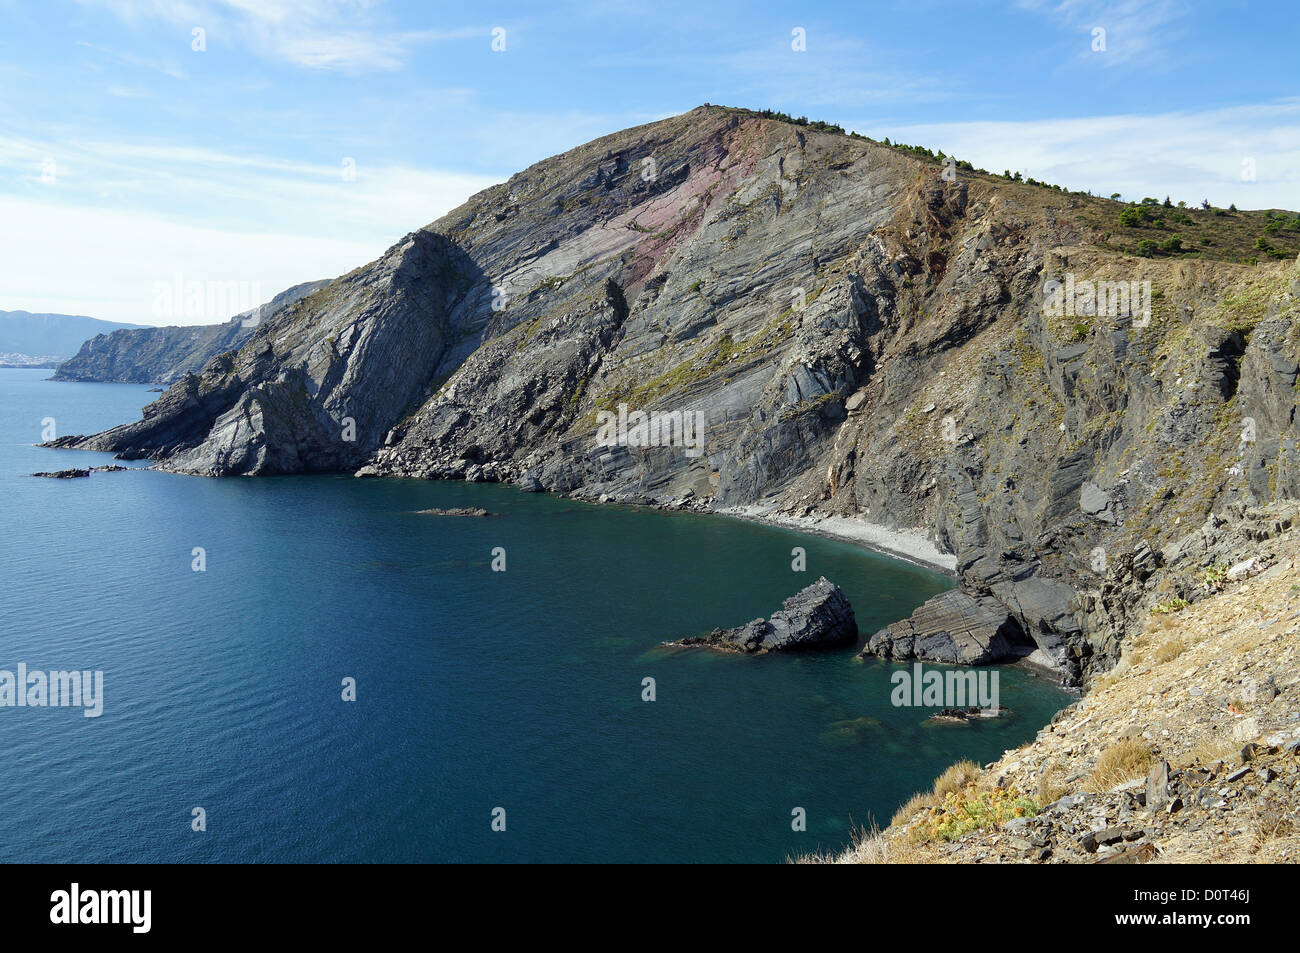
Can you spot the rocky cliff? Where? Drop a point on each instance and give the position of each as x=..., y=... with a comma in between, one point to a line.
x=1186, y=751
x=858, y=330
x=164, y=355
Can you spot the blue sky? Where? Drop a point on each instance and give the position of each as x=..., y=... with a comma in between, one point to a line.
x=305, y=137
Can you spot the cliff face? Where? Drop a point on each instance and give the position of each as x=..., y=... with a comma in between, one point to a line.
x=863, y=335
x=164, y=355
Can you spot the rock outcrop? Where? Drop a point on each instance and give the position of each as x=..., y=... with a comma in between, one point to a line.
x=953, y=627
x=856, y=333
x=1187, y=751
x=818, y=616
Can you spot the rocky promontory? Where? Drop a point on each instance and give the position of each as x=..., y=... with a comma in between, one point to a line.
x=818, y=616
x=166, y=354
x=862, y=336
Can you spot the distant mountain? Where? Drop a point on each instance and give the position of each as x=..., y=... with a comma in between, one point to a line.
x=151, y=355
x=42, y=340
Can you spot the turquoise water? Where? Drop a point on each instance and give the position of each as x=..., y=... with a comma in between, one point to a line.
x=475, y=689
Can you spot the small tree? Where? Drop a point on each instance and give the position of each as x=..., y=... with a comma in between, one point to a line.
x=1130, y=217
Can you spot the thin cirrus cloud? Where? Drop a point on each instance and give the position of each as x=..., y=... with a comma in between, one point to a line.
x=1247, y=155
x=353, y=51
x=125, y=58
x=350, y=38
x=95, y=231
x=1129, y=28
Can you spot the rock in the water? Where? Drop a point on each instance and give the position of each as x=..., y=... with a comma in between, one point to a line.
x=961, y=716
x=456, y=511
x=63, y=474
x=953, y=627
x=816, y=617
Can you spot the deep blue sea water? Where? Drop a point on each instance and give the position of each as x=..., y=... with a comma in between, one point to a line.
x=475, y=689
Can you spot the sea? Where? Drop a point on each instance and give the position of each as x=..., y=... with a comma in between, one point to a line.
x=307, y=669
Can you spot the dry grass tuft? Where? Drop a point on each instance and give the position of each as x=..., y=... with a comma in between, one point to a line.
x=871, y=846
x=918, y=802
x=1120, y=761
x=956, y=777
x=1210, y=750
x=1169, y=651
x=1050, y=789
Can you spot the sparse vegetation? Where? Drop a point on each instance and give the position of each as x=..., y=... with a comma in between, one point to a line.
x=1169, y=651
x=970, y=809
x=1120, y=761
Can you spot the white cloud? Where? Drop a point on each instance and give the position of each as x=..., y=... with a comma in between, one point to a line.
x=93, y=233
x=1187, y=155
x=350, y=37
x=106, y=264
x=230, y=191
x=131, y=59
x=1132, y=28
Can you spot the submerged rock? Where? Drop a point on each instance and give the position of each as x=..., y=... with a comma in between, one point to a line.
x=816, y=617
x=456, y=511
x=962, y=716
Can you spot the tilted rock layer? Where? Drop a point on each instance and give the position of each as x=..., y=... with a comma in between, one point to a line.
x=817, y=616
x=864, y=335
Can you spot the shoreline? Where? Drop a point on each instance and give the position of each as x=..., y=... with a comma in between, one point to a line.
x=909, y=546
